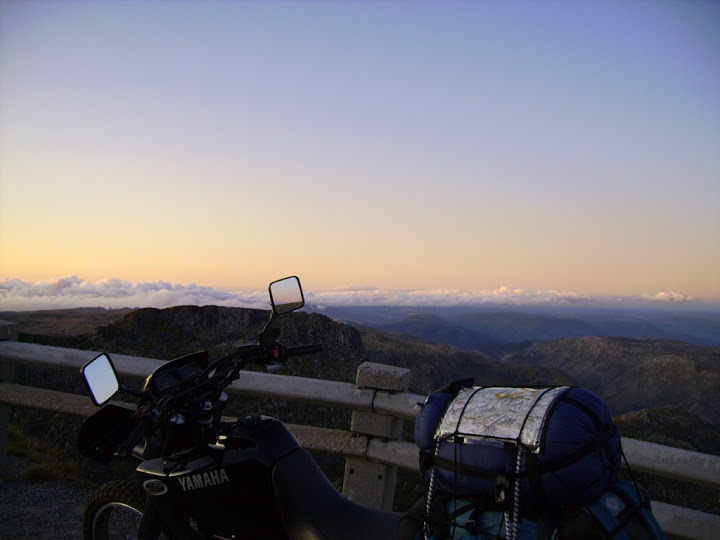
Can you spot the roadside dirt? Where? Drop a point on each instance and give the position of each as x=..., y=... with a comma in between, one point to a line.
x=40, y=510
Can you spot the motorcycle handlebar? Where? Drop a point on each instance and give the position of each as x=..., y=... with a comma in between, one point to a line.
x=269, y=354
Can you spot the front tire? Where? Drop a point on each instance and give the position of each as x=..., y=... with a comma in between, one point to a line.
x=114, y=512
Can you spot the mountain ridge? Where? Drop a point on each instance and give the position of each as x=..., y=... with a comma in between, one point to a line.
x=504, y=325
x=688, y=420
x=633, y=374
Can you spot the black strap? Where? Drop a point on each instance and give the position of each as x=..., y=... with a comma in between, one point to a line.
x=547, y=523
x=633, y=508
x=478, y=506
x=471, y=523
x=532, y=469
x=587, y=410
x=460, y=511
x=460, y=468
x=455, y=386
x=439, y=523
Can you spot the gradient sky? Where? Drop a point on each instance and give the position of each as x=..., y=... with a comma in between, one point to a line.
x=571, y=146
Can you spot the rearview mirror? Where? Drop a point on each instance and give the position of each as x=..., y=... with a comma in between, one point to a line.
x=101, y=379
x=286, y=295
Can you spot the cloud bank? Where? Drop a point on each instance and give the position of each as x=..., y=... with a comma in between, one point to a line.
x=72, y=291
x=372, y=296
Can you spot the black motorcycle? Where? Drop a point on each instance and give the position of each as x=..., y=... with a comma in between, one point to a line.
x=202, y=478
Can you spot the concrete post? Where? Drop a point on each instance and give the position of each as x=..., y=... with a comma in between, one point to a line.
x=8, y=332
x=367, y=483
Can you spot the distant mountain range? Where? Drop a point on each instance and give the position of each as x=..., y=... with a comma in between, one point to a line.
x=490, y=330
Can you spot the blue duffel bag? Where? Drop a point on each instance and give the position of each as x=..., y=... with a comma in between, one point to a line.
x=528, y=448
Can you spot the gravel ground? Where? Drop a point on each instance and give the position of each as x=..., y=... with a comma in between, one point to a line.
x=40, y=510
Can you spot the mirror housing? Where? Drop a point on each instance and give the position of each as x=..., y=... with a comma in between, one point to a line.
x=286, y=295
x=101, y=379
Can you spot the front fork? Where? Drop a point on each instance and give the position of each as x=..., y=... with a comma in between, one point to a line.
x=159, y=518
x=151, y=522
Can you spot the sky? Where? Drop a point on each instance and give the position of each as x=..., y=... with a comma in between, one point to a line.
x=555, y=149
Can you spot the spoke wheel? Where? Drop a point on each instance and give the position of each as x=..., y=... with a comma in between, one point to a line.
x=114, y=512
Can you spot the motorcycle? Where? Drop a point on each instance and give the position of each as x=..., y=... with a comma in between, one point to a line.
x=200, y=477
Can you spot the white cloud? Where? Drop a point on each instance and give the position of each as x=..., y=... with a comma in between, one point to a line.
x=72, y=291
x=441, y=297
x=670, y=297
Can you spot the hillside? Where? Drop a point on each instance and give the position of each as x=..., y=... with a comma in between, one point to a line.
x=483, y=329
x=171, y=332
x=672, y=426
x=434, y=365
x=63, y=322
x=635, y=374
x=441, y=330
x=515, y=327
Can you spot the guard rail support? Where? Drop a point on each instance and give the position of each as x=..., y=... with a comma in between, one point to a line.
x=367, y=482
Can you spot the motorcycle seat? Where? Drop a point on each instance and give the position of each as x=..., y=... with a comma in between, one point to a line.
x=312, y=509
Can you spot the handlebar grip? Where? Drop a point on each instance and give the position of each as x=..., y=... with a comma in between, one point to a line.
x=304, y=349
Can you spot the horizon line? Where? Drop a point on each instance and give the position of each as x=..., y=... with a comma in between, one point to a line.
x=74, y=292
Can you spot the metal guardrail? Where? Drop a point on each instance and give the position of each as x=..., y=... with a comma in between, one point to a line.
x=372, y=400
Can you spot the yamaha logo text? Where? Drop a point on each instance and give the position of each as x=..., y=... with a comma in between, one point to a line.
x=203, y=480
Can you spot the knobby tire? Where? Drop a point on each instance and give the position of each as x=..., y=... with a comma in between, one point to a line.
x=114, y=511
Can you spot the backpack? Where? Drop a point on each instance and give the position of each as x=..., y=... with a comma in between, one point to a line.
x=623, y=513
x=466, y=520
